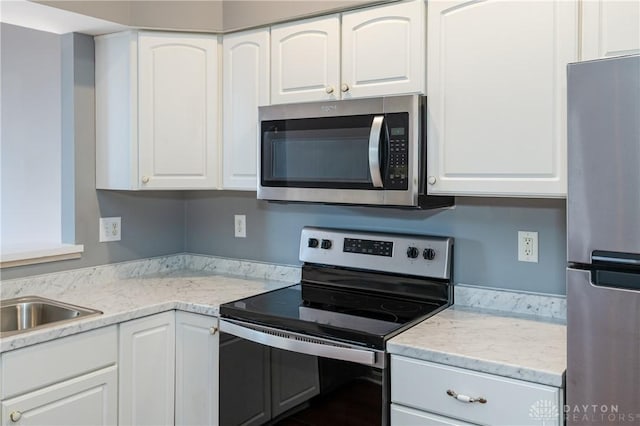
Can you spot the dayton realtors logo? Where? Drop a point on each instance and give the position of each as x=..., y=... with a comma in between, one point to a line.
x=599, y=414
x=547, y=412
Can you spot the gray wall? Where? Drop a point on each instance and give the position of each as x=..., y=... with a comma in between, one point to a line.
x=152, y=223
x=485, y=232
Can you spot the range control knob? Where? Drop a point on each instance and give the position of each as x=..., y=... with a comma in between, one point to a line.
x=313, y=242
x=429, y=253
x=412, y=252
x=325, y=244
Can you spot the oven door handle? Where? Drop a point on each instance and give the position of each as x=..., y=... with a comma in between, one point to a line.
x=374, y=151
x=292, y=344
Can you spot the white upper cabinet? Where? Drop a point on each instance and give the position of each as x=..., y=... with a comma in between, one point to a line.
x=245, y=87
x=496, y=87
x=383, y=50
x=374, y=52
x=610, y=28
x=305, y=60
x=156, y=111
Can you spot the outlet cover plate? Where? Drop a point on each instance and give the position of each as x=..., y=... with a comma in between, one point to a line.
x=110, y=229
x=528, y=246
x=240, y=226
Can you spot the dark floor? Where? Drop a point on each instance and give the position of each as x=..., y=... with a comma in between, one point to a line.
x=358, y=403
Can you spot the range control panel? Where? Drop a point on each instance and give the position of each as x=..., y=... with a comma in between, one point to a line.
x=419, y=255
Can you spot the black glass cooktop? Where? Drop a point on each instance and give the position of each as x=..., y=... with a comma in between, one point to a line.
x=356, y=317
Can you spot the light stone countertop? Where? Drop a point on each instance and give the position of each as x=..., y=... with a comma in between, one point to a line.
x=497, y=342
x=129, y=298
x=514, y=347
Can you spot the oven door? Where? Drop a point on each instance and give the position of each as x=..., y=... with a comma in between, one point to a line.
x=270, y=376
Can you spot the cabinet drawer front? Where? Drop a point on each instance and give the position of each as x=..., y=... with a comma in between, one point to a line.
x=403, y=416
x=424, y=385
x=86, y=400
x=40, y=365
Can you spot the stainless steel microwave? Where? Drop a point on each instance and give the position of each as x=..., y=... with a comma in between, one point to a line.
x=362, y=151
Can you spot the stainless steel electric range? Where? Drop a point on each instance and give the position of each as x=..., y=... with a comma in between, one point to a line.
x=314, y=352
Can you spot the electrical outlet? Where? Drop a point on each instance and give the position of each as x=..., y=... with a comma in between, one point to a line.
x=240, y=226
x=528, y=246
x=110, y=229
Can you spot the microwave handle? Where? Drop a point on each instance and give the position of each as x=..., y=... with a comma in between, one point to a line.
x=374, y=151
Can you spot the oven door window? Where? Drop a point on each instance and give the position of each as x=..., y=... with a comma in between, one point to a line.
x=317, y=153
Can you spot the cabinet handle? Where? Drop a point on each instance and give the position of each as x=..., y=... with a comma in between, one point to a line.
x=465, y=398
x=145, y=179
x=431, y=180
x=329, y=90
x=213, y=330
x=344, y=87
x=15, y=416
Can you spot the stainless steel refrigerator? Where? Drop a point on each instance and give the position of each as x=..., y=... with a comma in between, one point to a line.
x=603, y=242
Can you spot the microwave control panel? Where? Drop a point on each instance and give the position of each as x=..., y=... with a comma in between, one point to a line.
x=397, y=172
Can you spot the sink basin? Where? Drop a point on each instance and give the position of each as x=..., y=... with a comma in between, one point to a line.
x=31, y=312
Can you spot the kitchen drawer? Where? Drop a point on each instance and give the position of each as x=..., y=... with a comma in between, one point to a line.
x=424, y=385
x=40, y=365
x=404, y=416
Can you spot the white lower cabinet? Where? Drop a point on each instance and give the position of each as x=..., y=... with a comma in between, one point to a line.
x=147, y=365
x=197, y=341
x=169, y=370
x=421, y=394
x=68, y=381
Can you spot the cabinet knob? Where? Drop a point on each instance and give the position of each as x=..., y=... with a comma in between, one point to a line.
x=431, y=180
x=213, y=330
x=465, y=398
x=344, y=87
x=145, y=179
x=15, y=416
x=329, y=90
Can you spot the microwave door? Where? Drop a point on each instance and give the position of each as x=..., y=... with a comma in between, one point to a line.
x=375, y=138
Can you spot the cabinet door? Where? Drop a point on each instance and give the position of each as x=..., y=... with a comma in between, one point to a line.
x=147, y=365
x=610, y=28
x=294, y=379
x=305, y=60
x=245, y=380
x=496, y=86
x=90, y=399
x=245, y=87
x=178, y=85
x=196, y=369
x=383, y=50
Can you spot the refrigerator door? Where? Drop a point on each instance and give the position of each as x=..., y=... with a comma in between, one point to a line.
x=603, y=205
x=603, y=353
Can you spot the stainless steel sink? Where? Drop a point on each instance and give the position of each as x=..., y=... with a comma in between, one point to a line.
x=31, y=312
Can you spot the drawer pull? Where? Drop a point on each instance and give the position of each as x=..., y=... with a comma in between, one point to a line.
x=465, y=398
